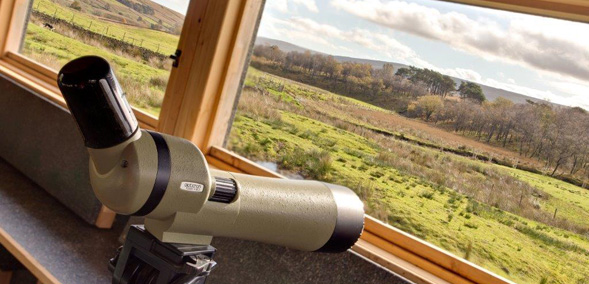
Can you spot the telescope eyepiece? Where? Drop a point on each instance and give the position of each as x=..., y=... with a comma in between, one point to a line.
x=97, y=102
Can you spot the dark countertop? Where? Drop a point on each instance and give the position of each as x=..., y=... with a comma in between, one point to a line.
x=69, y=248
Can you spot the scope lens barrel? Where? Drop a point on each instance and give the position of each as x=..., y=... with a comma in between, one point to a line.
x=349, y=221
x=97, y=102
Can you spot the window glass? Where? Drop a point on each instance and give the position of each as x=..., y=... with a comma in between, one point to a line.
x=466, y=127
x=135, y=36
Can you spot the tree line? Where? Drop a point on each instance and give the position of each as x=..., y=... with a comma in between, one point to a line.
x=555, y=135
x=361, y=79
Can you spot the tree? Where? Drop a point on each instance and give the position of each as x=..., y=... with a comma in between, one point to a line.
x=386, y=74
x=426, y=106
x=332, y=68
x=76, y=6
x=406, y=72
x=470, y=90
x=447, y=85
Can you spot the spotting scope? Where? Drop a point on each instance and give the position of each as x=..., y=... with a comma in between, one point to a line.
x=185, y=203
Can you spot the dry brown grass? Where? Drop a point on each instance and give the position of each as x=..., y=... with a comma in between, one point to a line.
x=340, y=107
x=140, y=94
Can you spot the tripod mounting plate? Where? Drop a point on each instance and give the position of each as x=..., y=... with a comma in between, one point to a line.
x=145, y=259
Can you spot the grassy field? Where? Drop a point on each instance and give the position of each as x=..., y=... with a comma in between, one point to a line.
x=157, y=41
x=470, y=208
x=144, y=84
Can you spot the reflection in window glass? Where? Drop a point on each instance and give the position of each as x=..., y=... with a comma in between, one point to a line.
x=135, y=36
x=466, y=127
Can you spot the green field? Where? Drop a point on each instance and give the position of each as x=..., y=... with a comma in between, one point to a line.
x=142, y=82
x=157, y=41
x=274, y=124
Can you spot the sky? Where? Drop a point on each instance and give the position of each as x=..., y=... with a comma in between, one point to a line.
x=179, y=6
x=536, y=56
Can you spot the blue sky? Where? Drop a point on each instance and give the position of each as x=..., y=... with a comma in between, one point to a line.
x=536, y=56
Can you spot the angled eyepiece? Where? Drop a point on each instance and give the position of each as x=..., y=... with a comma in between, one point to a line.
x=97, y=102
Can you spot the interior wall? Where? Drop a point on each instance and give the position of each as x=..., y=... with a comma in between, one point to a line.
x=40, y=139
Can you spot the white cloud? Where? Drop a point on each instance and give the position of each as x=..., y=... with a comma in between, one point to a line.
x=305, y=28
x=280, y=5
x=306, y=24
x=179, y=6
x=309, y=4
x=546, y=45
x=573, y=87
x=283, y=6
x=466, y=74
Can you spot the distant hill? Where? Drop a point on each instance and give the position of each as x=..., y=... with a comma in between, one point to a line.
x=140, y=13
x=490, y=92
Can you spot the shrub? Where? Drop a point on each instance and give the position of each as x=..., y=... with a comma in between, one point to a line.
x=427, y=194
x=159, y=82
x=313, y=164
x=76, y=6
x=318, y=164
x=377, y=174
x=471, y=225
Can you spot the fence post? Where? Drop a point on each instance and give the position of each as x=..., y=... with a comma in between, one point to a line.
x=124, y=36
x=141, y=44
x=158, y=48
x=55, y=13
x=72, y=20
x=107, y=30
x=90, y=26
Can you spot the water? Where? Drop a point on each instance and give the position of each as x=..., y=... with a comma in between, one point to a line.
x=274, y=167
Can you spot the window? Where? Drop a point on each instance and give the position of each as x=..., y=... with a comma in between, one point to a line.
x=136, y=37
x=439, y=116
x=200, y=97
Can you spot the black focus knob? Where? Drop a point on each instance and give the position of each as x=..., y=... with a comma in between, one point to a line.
x=225, y=190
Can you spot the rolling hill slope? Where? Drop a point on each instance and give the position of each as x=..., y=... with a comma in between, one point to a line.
x=490, y=92
x=140, y=13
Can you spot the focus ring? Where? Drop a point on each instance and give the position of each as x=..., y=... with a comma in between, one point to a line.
x=225, y=190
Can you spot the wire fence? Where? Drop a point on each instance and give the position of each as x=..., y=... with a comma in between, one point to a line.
x=140, y=37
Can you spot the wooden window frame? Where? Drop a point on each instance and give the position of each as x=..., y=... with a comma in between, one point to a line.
x=200, y=99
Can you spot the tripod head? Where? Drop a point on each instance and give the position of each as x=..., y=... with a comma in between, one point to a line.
x=167, y=179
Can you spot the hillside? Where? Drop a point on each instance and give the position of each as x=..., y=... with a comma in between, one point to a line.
x=490, y=92
x=140, y=13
